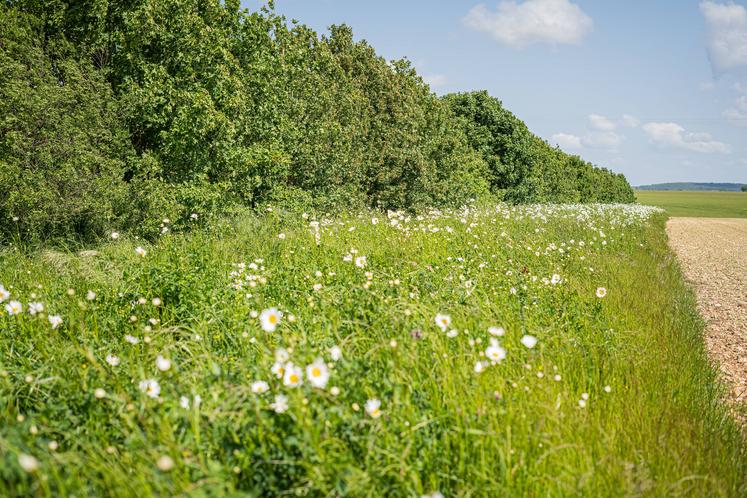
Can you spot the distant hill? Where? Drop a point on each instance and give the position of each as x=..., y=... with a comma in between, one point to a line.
x=725, y=187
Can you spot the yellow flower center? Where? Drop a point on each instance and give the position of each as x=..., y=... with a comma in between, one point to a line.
x=315, y=372
x=293, y=378
x=273, y=319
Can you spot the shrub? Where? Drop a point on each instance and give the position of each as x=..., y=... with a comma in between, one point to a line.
x=169, y=108
x=63, y=153
x=525, y=168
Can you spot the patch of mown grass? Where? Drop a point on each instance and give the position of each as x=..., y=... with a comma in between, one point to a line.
x=617, y=398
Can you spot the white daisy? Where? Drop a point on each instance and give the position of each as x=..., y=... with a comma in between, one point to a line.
x=373, y=408
x=35, y=308
x=112, y=360
x=14, y=308
x=270, y=319
x=163, y=364
x=318, y=373
x=140, y=251
x=361, y=262
x=278, y=369
x=293, y=376
x=435, y=494
x=496, y=331
x=281, y=355
x=495, y=353
x=335, y=353
x=131, y=339
x=529, y=341
x=280, y=405
x=28, y=463
x=4, y=294
x=260, y=387
x=443, y=321
x=150, y=387
x=165, y=463
x=55, y=321
x=601, y=292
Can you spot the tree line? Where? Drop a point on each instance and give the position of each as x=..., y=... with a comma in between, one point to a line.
x=117, y=114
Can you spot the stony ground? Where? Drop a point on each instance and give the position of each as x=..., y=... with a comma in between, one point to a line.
x=713, y=252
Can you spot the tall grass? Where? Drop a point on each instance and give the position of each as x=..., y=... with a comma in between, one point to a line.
x=617, y=397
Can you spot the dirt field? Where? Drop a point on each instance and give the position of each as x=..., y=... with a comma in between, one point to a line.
x=713, y=252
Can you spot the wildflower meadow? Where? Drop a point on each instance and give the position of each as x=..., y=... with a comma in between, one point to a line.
x=536, y=350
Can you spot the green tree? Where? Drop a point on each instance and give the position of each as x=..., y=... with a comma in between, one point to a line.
x=197, y=106
x=523, y=167
x=63, y=153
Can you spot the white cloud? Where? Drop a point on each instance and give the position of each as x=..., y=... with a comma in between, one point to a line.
x=435, y=80
x=600, y=134
x=741, y=103
x=674, y=136
x=740, y=88
x=601, y=123
x=707, y=86
x=630, y=121
x=519, y=24
x=603, y=140
x=567, y=141
x=737, y=115
x=726, y=25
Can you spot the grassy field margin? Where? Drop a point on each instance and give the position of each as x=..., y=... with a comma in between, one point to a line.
x=696, y=204
x=653, y=422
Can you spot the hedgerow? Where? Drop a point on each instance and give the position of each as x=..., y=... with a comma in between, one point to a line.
x=117, y=115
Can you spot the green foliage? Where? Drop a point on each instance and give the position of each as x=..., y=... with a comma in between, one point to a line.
x=524, y=167
x=63, y=151
x=226, y=108
x=744, y=188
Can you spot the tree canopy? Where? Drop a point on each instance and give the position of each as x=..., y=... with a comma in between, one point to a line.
x=117, y=114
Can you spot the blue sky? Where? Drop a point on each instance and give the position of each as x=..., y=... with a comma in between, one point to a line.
x=655, y=89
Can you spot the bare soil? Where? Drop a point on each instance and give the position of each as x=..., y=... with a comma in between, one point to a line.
x=713, y=254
